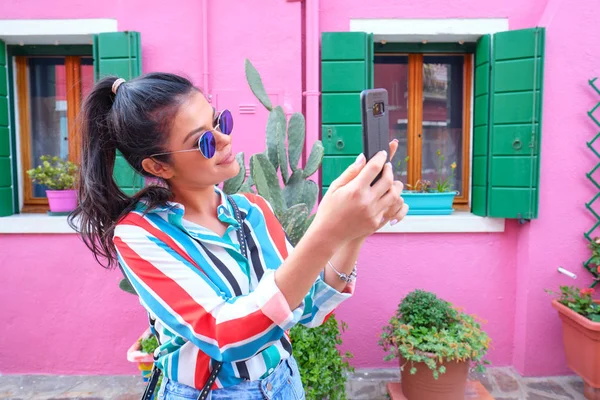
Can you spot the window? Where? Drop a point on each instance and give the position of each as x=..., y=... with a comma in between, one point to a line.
x=429, y=104
x=430, y=94
x=49, y=91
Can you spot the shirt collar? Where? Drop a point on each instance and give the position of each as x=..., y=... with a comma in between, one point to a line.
x=174, y=211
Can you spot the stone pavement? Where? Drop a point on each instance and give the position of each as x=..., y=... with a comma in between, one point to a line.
x=365, y=384
x=502, y=383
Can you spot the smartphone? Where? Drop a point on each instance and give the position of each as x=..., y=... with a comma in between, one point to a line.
x=375, y=123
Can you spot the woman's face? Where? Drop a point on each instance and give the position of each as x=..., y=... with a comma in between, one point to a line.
x=192, y=170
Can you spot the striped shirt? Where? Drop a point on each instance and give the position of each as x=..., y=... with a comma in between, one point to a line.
x=210, y=303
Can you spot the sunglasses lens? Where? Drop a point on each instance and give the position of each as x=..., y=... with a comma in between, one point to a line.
x=226, y=122
x=207, y=144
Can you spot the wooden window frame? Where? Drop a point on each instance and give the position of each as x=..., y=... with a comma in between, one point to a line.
x=73, y=98
x=415, y=119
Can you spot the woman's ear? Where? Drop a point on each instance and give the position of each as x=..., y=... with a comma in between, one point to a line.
x=157, y=168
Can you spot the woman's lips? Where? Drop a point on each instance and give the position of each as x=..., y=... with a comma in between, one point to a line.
x=227, y=160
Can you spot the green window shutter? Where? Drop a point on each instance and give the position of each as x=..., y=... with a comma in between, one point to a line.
x=346, y=70
x=481, y=107
x=515, y=124
x=119, y=53
x=7, y=204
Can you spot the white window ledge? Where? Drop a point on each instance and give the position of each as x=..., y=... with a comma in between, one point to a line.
x=34, y=223
x=459, y=221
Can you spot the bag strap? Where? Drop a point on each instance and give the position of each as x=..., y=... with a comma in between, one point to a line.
x=156, y=372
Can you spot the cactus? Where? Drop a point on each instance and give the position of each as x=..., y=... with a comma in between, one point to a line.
x=292, y=196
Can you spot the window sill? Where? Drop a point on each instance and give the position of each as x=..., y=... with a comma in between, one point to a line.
x=34, y=223
x=458, y=222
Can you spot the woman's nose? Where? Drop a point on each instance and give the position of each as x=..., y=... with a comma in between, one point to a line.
x=221, y=139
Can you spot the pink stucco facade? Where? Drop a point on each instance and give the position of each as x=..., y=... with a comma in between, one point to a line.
x=63, y=314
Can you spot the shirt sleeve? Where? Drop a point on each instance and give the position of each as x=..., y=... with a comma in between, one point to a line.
x=322, y=299
x=172, y=287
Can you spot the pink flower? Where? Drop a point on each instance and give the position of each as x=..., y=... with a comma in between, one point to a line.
x=586, y=292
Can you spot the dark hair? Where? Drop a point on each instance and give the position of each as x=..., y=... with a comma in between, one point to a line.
x=135, y=122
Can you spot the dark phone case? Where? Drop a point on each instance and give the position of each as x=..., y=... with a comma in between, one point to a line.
x=375, y=129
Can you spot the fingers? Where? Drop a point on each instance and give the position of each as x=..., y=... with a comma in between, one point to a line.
x=385, y=183
x=349, y=174
x=393, y=148
x=372, y=169
x=399, y=215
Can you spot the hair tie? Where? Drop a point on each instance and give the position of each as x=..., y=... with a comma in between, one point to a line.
x=116, y=84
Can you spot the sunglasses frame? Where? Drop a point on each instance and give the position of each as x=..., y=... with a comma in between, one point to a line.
x=198, y=148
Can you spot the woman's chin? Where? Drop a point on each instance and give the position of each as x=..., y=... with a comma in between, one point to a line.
x=229, y=171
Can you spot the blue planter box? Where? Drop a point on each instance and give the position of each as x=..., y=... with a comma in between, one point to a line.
x=429, y=203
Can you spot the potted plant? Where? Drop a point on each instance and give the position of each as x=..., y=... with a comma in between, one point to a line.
x=436, y=345
x=580, y=316
x=427, y=198
x=59, y=178
x=141, y=353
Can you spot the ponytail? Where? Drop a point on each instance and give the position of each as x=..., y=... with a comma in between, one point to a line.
x=135, y=121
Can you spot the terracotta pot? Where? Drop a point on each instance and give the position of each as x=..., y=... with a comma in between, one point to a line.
x=450, y=385
x=581, y=338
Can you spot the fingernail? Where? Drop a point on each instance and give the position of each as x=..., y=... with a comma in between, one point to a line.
x=389, y=164
x=360, y=159
x=393, y=222
x=395, y=140
x=382, y=220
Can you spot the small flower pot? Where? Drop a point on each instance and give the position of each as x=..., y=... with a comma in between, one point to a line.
x=581, y=339
x=144, y=361
x=420, y=203
x=62, y=201
x=450, y=385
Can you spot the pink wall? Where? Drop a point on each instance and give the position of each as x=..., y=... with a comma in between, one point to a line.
x=63, y=314
x=500, y=277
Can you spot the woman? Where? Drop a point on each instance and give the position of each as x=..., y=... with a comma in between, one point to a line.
x=180, y=246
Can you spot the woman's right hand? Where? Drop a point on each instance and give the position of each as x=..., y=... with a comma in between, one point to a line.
x=352, y=208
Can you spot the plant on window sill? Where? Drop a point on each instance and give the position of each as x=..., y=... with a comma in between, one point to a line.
x=427, y=198
x=59, y=177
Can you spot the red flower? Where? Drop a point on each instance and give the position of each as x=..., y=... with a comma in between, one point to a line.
x=586, y=291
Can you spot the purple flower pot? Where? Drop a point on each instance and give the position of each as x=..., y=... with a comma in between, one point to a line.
x=62, y=200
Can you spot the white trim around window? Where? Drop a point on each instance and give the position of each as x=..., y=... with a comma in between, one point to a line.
x=410, y=30
x=54, y=31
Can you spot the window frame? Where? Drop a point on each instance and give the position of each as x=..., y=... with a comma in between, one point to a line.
x=19, y=85
x=415, y=53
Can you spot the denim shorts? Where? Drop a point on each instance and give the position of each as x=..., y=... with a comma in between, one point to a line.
x=283, y=384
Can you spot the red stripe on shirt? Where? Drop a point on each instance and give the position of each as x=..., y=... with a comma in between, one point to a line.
x=139, y=221
x=273, y=225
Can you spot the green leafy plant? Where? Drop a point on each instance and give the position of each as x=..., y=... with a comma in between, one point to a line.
x=444, y=181
x=148, y=344
x=54, y=173
x=427, y=329
x=579, y=300
x=322, y=368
